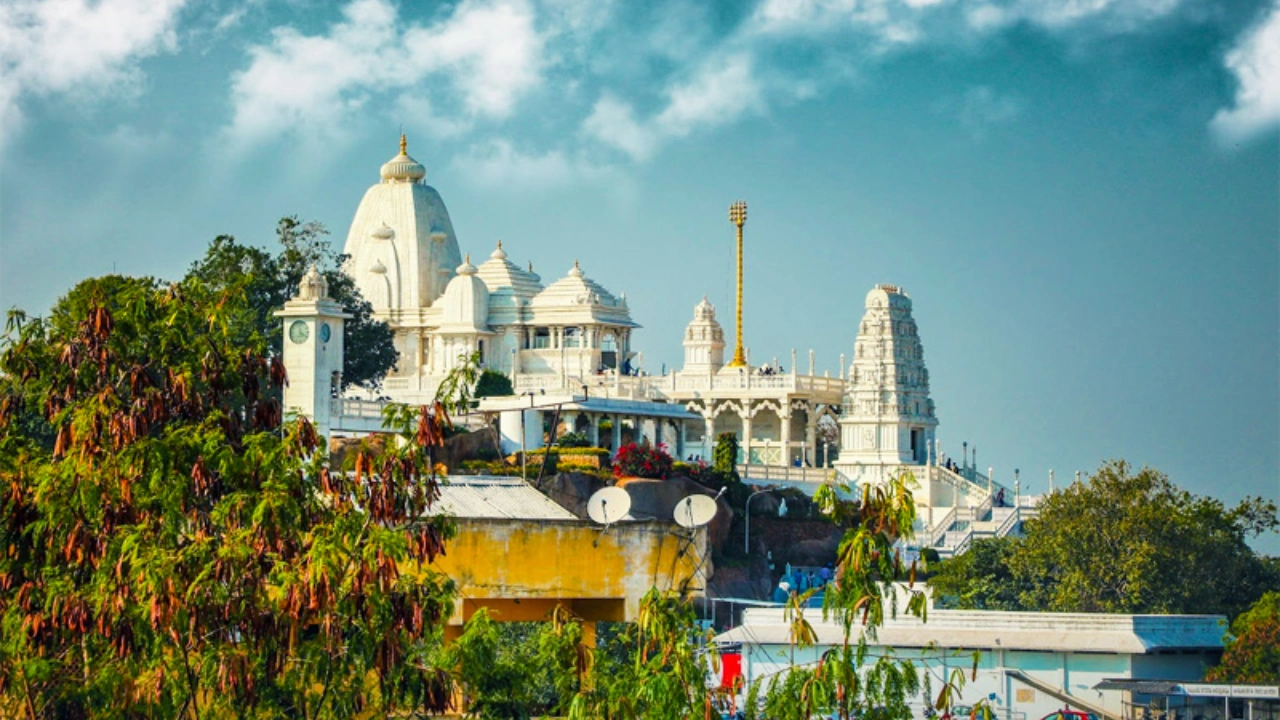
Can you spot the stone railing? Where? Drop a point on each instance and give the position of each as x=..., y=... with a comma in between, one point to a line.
x=678, y=382
x=938, y=532
x=764, y=473
x=357, y=408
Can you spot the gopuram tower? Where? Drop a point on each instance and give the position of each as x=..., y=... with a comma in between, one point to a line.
x=888, y=419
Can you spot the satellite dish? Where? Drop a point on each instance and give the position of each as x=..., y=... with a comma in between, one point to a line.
x=695, y=511
x=608, y=505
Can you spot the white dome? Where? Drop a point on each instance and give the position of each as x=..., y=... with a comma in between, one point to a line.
x=466, y=301
x=582, y=299
x=403, y=168
x=383, y=232
x=510, y=287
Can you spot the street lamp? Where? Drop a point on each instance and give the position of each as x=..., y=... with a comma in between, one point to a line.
x=782, y=510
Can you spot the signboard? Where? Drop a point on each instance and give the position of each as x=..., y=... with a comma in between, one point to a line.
x=1201, y=690
x=1236, y=691
x=1254, y=691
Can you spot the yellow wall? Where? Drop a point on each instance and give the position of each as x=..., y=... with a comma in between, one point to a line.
x=521, y=569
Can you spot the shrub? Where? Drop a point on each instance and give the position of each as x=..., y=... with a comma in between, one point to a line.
x=598, y=452
x=573, y=440
x=493, y=384
x=485, y=467
x=725, y=456
x=645, y=461
x=699, y=472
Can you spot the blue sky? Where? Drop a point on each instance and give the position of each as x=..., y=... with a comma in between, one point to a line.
x=1081, y=196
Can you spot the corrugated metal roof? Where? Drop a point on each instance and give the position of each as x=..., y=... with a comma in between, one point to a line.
x=1071, y=632
x=469, y=496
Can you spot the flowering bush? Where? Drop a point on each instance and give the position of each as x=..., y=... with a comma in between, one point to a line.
x=646, y=461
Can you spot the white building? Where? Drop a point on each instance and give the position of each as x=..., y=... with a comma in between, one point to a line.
x=568, y=344
x=405, y=259
x=1031, y=664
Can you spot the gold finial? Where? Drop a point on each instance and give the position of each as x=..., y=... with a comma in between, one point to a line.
x=738, y=216
x=499, y=244
x=467, y=259
x=404, y=145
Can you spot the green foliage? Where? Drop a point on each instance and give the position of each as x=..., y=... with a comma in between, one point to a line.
x=573, y=440
x=725, y=458
x=1123, y=542
x=493, y=384
x=981, y=578
x=556, y=450
x=517, y=670
x=1128, y=542
x=179, y=550
x=487, y=467
x=268, y=281
x=699, y=472
x=1252, y=656
x=456, y=391
x=658, y=671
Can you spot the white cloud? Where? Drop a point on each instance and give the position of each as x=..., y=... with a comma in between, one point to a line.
x=50, y=47
x=1255, y=61
x=613, y=122
x=486, y=51
x=719, y=92
x=497, y=164
x=891, y=23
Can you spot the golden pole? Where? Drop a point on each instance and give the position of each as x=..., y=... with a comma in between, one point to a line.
x=738, y=216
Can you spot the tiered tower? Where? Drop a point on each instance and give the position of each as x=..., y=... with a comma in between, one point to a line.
x=703, y=340
x=888, y=417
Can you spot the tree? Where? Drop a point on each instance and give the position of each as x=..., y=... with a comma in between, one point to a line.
x=180, y=551
x=980, y=578
x=725, y=458
x=1252, y=655
x=1126, y=542
x=269, y=281
x=517, y=670
x=493, y=384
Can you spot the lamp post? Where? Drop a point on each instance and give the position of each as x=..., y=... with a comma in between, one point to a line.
x=738, y=216
x=747, y=510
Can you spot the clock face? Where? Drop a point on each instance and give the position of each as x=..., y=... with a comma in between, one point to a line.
x=298, y=331
x=325, y=332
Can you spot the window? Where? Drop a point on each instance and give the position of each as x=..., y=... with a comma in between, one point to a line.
x=541, y=338
x=572, y=337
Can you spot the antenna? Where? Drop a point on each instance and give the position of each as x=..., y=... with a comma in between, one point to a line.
x=606, y=507
x=695, y=511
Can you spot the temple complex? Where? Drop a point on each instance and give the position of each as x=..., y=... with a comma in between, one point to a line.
x=567, y=347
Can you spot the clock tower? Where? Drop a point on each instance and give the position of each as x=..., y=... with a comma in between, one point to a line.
x=313, y=351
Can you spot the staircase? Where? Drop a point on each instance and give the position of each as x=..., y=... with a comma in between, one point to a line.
x=953, y=534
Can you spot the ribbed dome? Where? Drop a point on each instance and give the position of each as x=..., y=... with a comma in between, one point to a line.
x=383, y=232
x=403, y=168
x=466, y=268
